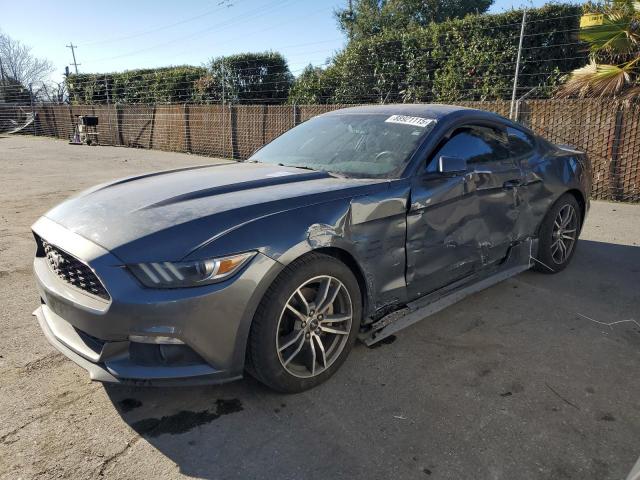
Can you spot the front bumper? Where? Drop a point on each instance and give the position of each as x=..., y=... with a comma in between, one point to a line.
x=211, y=321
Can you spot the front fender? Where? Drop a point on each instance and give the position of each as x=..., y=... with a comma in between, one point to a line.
x=369, y=228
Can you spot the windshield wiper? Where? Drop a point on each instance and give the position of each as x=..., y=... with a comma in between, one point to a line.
x=305, y=167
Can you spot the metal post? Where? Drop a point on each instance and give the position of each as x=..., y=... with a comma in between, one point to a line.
x=519, y=103
x=33, y=112
x=2, y=89
x=517, y=72
x=106, y=89
x=224, y=133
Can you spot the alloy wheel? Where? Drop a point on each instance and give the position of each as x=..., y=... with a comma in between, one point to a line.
x=565, y=232
x=314, y=326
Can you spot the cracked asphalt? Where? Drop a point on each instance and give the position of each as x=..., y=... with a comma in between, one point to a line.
x=534, y=378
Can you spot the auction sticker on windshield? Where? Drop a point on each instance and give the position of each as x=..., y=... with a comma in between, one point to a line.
x=407, y=120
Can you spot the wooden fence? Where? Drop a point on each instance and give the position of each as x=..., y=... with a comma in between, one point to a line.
x=608, y=131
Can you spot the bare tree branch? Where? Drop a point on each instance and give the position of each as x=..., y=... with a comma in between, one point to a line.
x=19, y=63
x=52, y=92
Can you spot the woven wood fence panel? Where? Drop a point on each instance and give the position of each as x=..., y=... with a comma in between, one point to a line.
x=249, y=124
x=168, y=129
x=626, y=172
x=210, y=130
x=587, y=125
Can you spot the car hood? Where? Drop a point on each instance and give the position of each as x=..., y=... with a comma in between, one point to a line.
x=169, y=215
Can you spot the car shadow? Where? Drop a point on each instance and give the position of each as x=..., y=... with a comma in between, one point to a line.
x=244, y=430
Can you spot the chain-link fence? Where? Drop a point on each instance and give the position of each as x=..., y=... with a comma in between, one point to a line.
x=608, y=131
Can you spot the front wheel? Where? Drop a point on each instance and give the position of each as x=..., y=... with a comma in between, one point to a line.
x=558, y=235
x=305, y=325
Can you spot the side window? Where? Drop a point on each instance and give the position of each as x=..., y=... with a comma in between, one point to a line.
x=475, y=144
x=520, y=143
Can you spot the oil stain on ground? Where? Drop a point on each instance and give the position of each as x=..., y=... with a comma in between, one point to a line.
x=184, y=420
x=128, y=404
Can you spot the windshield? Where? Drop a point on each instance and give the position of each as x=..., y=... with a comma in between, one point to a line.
x=355, y=145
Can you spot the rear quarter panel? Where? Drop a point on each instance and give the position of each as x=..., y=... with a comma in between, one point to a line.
x=549, y=174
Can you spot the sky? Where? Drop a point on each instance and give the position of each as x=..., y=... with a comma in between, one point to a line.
x=118, y=35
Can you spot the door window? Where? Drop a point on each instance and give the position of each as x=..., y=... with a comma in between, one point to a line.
x=475, y=144
x=520, y=143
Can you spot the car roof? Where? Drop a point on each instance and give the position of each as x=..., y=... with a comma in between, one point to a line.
x=435, y=111
x=431, y=110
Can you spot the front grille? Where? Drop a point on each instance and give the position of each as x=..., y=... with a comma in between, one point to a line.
x=73, y=271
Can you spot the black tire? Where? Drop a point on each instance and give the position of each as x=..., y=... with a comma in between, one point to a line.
x=548, y=259
x=264, y=361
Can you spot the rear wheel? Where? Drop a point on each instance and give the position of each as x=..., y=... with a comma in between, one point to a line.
x=559, y=235
x=306, y=324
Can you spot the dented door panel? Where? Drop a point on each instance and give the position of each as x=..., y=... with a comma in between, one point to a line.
x=497, y=188
x=442, y=231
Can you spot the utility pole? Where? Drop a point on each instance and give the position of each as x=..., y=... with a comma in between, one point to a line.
x=73, y=53
x=517, y=72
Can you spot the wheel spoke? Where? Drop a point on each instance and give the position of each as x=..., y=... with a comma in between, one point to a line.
x=330, y=300
x=292, y=309
x=563, y=250
x=323, y=355
x=295, y=353
x=567, y=237
x=295, y=336
x=335, y=318
x=313, y=356
x=303, y=301
x=332, y=330
x=323, y=291
x=568, y=216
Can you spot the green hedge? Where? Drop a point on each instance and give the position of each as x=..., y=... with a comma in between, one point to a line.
x=247, y=78
x=466, y=59
x=157, y=85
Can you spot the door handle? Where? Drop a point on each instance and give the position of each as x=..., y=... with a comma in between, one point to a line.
x=512, y=183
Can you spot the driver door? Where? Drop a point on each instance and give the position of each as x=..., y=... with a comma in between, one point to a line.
x=460, y=223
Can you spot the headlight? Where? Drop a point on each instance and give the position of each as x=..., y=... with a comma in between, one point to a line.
x=189, y=274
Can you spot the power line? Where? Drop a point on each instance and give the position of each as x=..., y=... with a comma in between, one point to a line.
x=225, y=24
x=221, y=5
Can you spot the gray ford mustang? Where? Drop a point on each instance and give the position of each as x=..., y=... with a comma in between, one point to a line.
x=352, y=225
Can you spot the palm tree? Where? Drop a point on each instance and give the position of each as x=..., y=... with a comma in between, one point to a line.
x=614, y=67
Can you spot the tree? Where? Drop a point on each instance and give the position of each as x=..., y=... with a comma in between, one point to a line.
x=614, y=63
x=372, y=17
x=456, y=60
x=250, y=78
x=314, y=85
x=19, y=64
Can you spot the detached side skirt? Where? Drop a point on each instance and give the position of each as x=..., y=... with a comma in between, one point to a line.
x=517, y=261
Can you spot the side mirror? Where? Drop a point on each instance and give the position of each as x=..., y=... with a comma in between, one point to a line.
x=452, y=165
